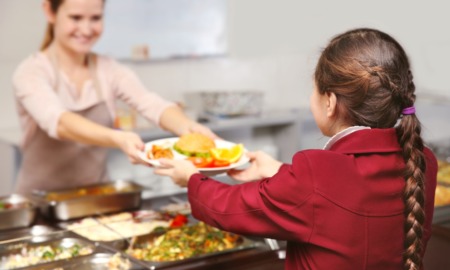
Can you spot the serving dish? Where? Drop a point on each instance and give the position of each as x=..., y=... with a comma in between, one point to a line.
x=16, y=211
x=226, y=103
x=233, y=103
x=184, y=245
x=89, y=200
x=22, y=254
x=116, y=230
x=169, y=143
x=96, y=261
x=35, y=234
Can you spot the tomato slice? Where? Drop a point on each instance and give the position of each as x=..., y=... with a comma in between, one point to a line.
x=219, y=163
x=178, y=221
x=201, y=162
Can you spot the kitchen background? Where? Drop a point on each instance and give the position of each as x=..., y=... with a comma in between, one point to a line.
x=272, y=47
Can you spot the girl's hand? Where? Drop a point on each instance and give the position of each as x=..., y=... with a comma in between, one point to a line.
x=130, y=143
x=179, y=170
x=262, y=166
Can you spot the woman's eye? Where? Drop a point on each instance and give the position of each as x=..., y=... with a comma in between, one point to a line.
x=76, y=17
x=97, y=18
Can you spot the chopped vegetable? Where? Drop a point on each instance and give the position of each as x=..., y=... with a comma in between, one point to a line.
x=185, y=242
x=158, y=152
x=178, y=221
x=32, y=255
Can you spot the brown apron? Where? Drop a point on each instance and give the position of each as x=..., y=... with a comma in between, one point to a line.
x=50, y=164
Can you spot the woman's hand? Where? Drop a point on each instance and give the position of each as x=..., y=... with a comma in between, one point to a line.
x=179, y=170
x=176, y=121
x=195, y=127
x=130, y=143
x=262, y=166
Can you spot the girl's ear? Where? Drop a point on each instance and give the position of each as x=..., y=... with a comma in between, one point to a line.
x=331, y=104
x=49, y=14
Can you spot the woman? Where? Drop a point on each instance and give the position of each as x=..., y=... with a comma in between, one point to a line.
x=364, y=202
x=65, y=98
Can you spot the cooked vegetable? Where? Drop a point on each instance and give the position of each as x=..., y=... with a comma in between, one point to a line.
x=158, y=152
x=41, y=254
x=178, y=221
x=185, y=242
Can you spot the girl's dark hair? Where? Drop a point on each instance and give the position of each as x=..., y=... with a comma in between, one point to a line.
x=369, y=72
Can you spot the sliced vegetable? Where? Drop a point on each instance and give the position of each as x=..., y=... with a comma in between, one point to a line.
x=178, y=221
x=219, y=163
x=201, y=162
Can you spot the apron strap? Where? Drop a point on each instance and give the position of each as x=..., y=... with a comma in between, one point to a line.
x=92, y=63
x=54, y=61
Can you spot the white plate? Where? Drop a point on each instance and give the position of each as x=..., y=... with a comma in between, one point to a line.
x=169, y=142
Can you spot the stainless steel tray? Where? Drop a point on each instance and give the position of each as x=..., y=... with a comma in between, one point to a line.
x=96, y=261
x=103, y=229
x=16, y=211
x=242, y=244
x=89, y=200
x=22, y=254
x=36, y=233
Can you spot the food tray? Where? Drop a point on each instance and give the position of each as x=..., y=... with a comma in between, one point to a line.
x=22, y=254
x=36, y=233
x=96, y=261
x=116, y=230
x=241, y=244
x=89, y=200
x=226, y=103
x=16, y=211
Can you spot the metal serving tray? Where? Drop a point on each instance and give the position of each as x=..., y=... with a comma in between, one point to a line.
x=96, y=261
x=36, y=233
x=100, y=227
x=11, y=250
x=89, y=200
x=242, y=244
x=16, y=211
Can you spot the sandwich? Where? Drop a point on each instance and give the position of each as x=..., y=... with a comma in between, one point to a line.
x=194, y=145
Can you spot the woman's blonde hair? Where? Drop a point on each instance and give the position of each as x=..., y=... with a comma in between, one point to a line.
x=49, y=35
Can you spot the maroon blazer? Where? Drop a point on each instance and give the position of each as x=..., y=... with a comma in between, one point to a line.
x=338, y=209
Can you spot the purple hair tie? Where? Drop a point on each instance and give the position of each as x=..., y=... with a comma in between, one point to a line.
x=409, y=110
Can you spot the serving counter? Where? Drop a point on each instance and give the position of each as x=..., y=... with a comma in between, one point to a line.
x=260, y=256
x=52, y=231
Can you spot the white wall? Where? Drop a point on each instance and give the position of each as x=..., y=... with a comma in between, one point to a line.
x=273, y=46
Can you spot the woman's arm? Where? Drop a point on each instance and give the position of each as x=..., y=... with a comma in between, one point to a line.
x=174, y=120
x=129, y=88
x=74, y=127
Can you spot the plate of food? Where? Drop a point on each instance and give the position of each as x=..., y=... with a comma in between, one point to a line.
x=208, y=155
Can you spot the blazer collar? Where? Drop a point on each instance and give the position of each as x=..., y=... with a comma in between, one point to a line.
x=367, y=141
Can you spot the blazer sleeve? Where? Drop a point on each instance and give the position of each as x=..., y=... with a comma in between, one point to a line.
x=279, y=207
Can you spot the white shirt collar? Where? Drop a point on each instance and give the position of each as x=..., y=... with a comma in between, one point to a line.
x=342, y=134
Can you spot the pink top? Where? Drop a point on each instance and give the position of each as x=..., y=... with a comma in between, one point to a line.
x=39, y=105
